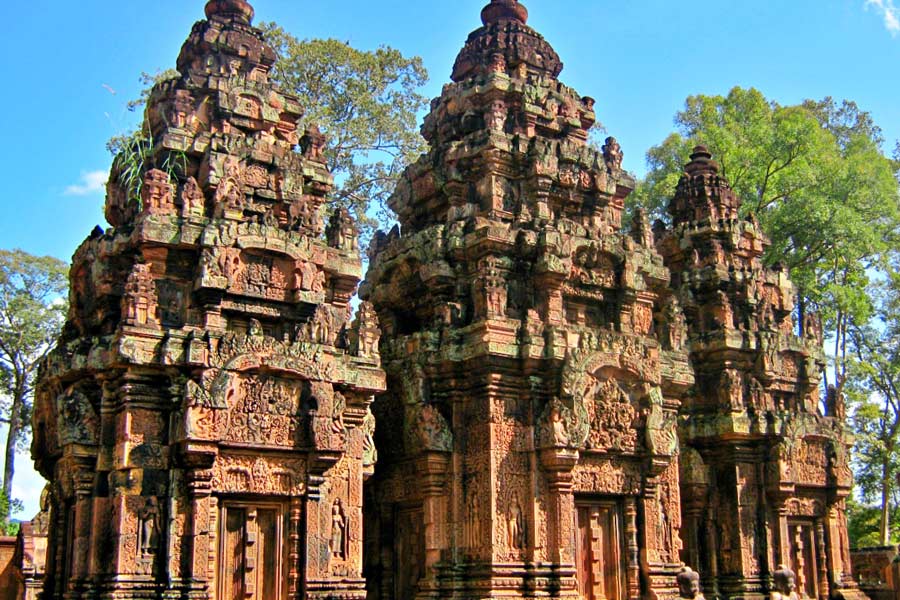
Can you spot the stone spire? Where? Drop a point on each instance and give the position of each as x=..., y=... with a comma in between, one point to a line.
x=702, y=193
x=216, y=254
x=506, y=35
x=702, y=162
x=238, y=10
x=504, y=10
x=509, y=289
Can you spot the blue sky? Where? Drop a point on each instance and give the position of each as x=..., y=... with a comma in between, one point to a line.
x=70, y=68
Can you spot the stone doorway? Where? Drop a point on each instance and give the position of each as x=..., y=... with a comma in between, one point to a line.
x=252, y=551
x=600, y=550
x=804, y=543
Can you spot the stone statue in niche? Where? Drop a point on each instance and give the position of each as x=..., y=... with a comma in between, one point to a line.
x=370, y=453
x=321, y=328
x=229, y=194
x=731, y=390
x=612, y=154
x=341, y=232
x=722, y=313
x=139, y=301
x=182, y=109
x=642, y=318
x=41, y=521
x=209, y=265
x=492, y=298
x=498, y=63
x=156, y=193
x=192, y=200
x=78, y=422
x=785, y=584
x=432, y=432
x=689, y=584
x=149, y=521
x=312, y=144
x=812, y=328
x=368, y=332
x=304, y=276
x=835, y=405
x=496, y=115
x=338, y=531
x=673, y=329
x=560, y=435
x=641, y=230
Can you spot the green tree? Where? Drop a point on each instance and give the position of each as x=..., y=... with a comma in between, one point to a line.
x=8, y=507
x=864, y=523
x=816, y=178
x=873, y=387
x=32, y=312
x=366, y=103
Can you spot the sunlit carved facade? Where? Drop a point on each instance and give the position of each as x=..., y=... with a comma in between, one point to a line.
x=570, y=406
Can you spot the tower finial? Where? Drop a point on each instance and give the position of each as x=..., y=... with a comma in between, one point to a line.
x=701, y=162
x=504, y=10
x=237, y=10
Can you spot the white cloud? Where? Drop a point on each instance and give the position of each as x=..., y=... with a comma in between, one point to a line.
x=91, y=183
x=889, y=12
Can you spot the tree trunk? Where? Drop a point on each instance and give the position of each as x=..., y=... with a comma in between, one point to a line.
x=885, y=504
x=15, y=425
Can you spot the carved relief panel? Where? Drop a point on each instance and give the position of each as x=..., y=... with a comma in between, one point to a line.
x=265, y=410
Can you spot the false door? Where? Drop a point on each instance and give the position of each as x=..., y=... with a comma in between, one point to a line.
x=251, y=556
x=409, y=552
x=599, y=551
x=804, y=543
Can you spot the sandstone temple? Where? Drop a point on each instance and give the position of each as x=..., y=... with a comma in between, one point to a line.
x=533, y=399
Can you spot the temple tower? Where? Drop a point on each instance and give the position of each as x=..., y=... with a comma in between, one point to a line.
x=535, y=356
x=204, y=419
x=764, y=470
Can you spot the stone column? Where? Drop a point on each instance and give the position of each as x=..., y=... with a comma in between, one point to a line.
x=199, y=487
x=821, y=561
x=784, y=536
x=833, y=535
x=632, y=551
x=83, y=483
x=558, y=464
x=432, y=469
x=295, y=585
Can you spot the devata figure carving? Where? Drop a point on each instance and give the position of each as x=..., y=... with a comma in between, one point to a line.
x=149, y=518
x=338, y=531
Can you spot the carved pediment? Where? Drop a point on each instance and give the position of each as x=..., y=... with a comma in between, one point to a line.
x=609, y=389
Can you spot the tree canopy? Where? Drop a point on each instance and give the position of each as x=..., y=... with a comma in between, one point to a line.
x=32, y=312
x=874, y=391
